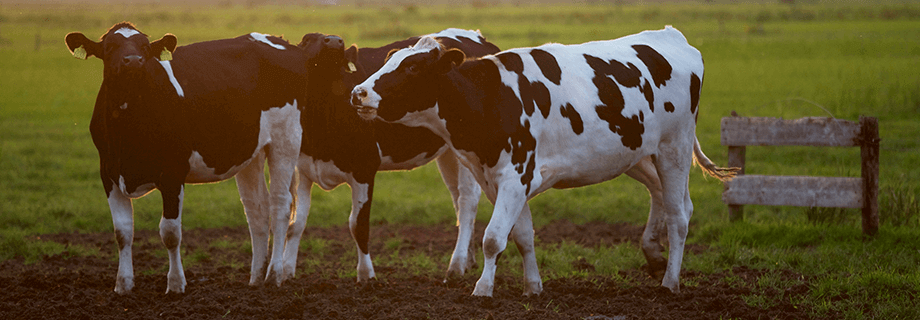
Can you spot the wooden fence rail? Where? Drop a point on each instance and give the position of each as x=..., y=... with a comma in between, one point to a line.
x=740, y=132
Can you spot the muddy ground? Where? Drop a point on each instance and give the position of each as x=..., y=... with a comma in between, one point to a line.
x=80, y=287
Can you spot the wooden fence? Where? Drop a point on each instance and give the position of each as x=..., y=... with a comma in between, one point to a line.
x=803, y=191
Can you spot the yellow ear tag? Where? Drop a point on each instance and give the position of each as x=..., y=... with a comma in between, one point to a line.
x=79, y=53
x=165, y=55
x=351, y=67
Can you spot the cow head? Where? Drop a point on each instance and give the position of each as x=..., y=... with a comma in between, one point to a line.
x=406, y=83
x=123, y=49
x=328, y=61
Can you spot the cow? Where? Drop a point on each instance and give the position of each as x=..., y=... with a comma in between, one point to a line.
x=557, y=116
x=205, y=112
x=340, y=147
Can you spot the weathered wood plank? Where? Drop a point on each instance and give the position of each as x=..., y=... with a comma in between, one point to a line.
x=794, y=191
x=811, y=131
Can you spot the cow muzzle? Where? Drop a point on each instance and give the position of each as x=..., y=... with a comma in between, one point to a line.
x=358, y=99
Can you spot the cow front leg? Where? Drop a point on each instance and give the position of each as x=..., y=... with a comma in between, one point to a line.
x=522, y=232
x=123, y=219
x=171, y=234
x=359, y=224
x=301, y=189
x=254, y=195
x=465, y=193
x=509, y=203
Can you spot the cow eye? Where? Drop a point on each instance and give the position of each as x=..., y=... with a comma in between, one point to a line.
x=412, y=69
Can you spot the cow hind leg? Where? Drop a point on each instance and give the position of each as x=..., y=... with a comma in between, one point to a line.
x=522, y=233
x=301, y=189
x=465, y=192
x=673, y=164
x=123, y=219
x=281, y=172
x=646, y=173
x=359, y=224
x=253, y=193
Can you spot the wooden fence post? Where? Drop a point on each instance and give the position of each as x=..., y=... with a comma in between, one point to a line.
x=736, y=159
x=869, y=150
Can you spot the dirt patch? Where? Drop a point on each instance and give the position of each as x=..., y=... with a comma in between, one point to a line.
x=73, y=287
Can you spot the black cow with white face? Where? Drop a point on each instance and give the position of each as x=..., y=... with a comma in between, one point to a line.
x=340, y=147
x=217, y=110
x=555, y=116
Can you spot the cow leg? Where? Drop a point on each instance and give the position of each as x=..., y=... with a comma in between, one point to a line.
x=465, y=192
x=123, y=219
x=510, y=201
x=171, y=234
x=646, y=173
x=281, y=171
x=253, y=193
x=673, y=165
x=301, y=189
x=522, y=232
x=359, y=224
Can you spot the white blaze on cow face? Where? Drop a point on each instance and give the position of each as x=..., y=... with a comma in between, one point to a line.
x=127, y=32
x=172, y=78
x=264, y=39
x=365, y=98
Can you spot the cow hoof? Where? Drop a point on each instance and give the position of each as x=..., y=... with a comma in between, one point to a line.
x=656, y=268
x=274, y=278
x=533, y=289
x=124, y=286
x=482, y=290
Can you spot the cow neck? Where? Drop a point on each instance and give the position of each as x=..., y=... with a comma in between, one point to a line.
x=462, y=104
x=138, y=115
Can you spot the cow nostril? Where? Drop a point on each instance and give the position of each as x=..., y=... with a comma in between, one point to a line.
x=355, y=102
x=133, y=60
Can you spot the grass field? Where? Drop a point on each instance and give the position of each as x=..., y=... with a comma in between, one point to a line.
x=775, y=60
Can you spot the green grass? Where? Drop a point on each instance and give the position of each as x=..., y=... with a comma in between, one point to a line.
x=762, y=59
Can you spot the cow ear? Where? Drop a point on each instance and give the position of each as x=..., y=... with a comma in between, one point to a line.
x=164, y=47
x=451, y=58
x=81, y=47
x=351, y=58
x=392, y=51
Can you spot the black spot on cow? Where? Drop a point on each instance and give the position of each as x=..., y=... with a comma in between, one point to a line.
x=533, y=94
x=630, y=129
x=523, y=149
x=695, y=84
x=512, y=62
x=548, y=65
x=657, y=65
x=669, y=107
x=541, y=98
x=569, y=112
x=649, y=95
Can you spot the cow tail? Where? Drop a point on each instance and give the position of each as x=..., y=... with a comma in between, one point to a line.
x=710, y=168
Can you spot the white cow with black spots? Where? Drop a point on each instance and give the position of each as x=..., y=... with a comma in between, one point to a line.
x=556, y=116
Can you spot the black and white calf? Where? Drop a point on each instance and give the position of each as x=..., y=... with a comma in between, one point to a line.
x=556, y=116
x=219, y=109
x=339, y=147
